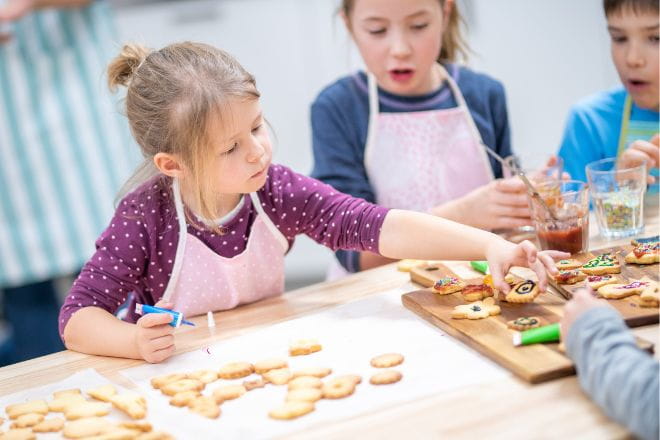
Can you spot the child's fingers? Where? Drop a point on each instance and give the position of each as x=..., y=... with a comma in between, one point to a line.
x=497, y=273
x=161, y=342
x=154, y=319
x=539, y=268
x=530, y=251
x=163, y=304
x=159, y=355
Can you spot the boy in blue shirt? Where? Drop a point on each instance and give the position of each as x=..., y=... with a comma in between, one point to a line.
x=621, y=122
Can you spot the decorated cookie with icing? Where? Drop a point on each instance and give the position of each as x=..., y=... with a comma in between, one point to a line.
x=569, y=276
x=524, y=292
x=650, y=296
x=602, y=264
x=622, y=290
x=477, y=292
x=568, y=264
x=597, y=281
x=644, y=253
x=524, y=323
x=476, y=310
x=447, y=285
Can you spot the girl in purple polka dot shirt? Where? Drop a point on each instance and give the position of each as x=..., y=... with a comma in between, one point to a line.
x=206, y=221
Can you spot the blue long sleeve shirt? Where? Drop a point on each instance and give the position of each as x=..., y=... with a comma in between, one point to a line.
x=615, y=373
x=340, y=119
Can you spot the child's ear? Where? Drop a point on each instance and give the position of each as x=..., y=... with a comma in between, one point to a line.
x=168, y=165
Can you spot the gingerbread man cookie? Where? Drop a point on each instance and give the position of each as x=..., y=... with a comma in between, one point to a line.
x=644, y=253
x=447, y=285
x=602, y=264
x=477, y=310
x=477, y=292
x=618, y=291
x=524, y=292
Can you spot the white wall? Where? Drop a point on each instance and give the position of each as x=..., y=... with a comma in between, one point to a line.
x=548, y=54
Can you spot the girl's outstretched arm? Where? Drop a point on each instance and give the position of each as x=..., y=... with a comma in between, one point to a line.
x=408, y=234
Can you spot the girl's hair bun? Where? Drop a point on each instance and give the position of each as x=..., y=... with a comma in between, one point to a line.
x=122, y=68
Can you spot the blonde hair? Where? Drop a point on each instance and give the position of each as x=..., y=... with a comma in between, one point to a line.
x=454, y=48
x=172, y=94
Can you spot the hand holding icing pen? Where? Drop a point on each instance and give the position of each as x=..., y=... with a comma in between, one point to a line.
x=177, y=317
x=547, y=333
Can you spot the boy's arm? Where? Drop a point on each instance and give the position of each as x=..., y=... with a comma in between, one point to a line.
x=617, y=375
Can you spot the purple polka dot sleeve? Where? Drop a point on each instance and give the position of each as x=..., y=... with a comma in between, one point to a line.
x=302, y=205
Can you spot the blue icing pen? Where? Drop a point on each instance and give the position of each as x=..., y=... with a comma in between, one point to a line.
x=177, y=317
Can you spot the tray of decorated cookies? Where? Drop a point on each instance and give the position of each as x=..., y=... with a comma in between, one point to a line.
x=471, y=310
x=626, y=276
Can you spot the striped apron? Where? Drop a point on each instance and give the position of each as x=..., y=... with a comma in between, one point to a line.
x=65, y=149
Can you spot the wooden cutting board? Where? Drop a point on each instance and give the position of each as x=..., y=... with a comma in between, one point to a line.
x=629, y=307
x=491, y=336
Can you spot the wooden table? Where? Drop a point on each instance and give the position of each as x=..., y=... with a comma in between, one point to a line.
x=507, y=409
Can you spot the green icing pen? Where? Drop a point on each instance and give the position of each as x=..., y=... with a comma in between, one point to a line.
x=548, y=333
x=480, y=266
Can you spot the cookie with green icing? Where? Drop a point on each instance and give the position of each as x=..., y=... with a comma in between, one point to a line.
x=447, y=285
x=601, y=265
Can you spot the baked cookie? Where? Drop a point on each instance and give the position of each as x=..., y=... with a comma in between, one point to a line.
x=132, y=404
x=387, y=360
x=338, y=388
x=184, y=398
x=524, y=292
x=406, y=265
x=279, y=376
x=159, y=381
x=269, y=364
x=235, y=370
x=292, y=409
x=524, y=323
x=205, y=376
x=253, y=384
x=304, y=346
x=228, y=392
x=597, y=281
x=602, y=264
x=477, y=310
x=447, y=285
x=570, y=276
x=62, y=401
x=34, y=406
x=27, y=420
x=650, y=296
x=205, y=406
x=54, y=424
x=103, y=393
x=182, y=385
x=87, y=409
x=319, y=372
x=644, y=253
x=305, y=394
x=385, y=377
x=476, y=292
x=18, y=434
x=86, y=427
x=568, y=264
x=305, y=382
x=618, y=291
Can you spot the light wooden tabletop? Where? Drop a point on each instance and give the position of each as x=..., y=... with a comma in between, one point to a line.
x=509, y=408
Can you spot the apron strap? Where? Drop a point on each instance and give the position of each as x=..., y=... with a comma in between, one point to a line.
x=267, y=221
x=181, y=246
x=372, y=127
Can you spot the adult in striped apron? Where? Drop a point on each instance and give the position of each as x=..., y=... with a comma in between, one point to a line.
x=64, y=152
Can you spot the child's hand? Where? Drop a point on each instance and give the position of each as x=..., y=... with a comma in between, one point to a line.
x=153, y=336
x=640, y=152
x=582, y=301
x=502, y=255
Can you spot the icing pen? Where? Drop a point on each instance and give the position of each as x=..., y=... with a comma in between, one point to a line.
x=480, y=266
x=547, y=333
x=177, y=317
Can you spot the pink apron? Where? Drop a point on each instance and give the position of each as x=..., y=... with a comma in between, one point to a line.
x=418, y=160
x=204, y=281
